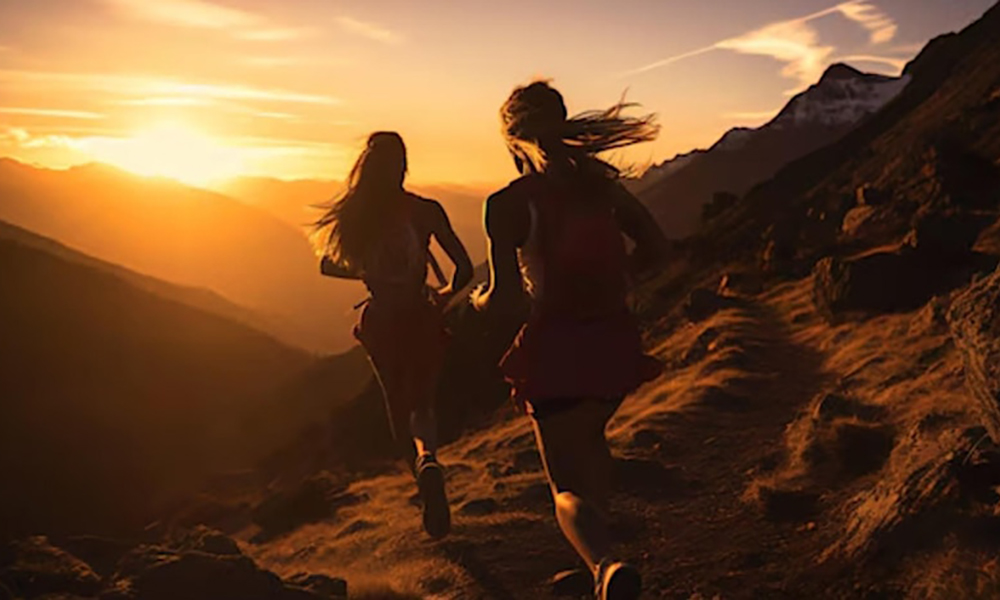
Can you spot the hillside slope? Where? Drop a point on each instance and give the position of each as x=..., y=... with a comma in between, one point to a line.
x=199, y=298
x=792, y=448
x=115, y=398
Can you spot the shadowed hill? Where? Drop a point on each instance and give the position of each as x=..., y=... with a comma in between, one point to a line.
x=188, y=236
x=199, y=298
x=116, y=398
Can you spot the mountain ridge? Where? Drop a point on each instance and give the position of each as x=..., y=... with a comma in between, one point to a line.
x=743, y=157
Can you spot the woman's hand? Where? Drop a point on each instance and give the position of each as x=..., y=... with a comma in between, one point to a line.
x=330, y=268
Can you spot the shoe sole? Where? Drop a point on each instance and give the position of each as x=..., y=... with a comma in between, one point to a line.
x=622, y=583
x=437, y=514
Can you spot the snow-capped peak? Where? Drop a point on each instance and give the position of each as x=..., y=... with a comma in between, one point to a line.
x=843, y=96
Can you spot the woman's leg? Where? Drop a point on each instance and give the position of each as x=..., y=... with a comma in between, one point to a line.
x=579, y=468
x=423, y=428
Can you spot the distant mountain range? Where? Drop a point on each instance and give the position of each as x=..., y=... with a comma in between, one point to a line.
x=677, y=190
x=191, y=237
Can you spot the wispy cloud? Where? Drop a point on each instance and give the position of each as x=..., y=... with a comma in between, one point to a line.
x=276, y=34
x=267, y=62
x=21, y=138
x=896, y=63
x=142, y=88
x=167, y=101
x=280, y=116
x=908, y=48
x=795, y=42
x=369, y=30
x=50, y=112
x=236, y=92
x=187, y=13
x=878, y=23
x=204, y=14
x=15, y=135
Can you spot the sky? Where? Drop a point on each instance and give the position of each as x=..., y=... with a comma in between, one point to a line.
x=203, y=89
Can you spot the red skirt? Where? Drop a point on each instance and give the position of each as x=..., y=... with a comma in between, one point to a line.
x=558, y=358
x=406, y=344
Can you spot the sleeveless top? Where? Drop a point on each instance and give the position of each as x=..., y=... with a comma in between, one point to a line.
x=574, y=260
x=396, y=264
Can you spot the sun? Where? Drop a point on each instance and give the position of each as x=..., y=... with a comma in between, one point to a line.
x=171, y=149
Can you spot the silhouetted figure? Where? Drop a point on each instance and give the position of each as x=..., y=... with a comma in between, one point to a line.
x=380, y=233
x=561, y=224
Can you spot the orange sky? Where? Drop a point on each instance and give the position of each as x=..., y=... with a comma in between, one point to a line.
x=199, y=89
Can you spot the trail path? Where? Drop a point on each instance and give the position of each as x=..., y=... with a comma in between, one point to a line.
x=692, y=446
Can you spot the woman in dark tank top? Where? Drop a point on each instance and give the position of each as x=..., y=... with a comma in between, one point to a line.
x=557, y=230
x=380, y=233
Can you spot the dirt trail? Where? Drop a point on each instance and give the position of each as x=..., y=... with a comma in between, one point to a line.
x=694, y=447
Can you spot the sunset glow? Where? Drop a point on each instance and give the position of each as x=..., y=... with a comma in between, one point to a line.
x=202, y=89
x=169, y=149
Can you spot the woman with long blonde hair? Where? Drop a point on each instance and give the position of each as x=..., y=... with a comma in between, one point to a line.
x=380, y=233
x=558, y=233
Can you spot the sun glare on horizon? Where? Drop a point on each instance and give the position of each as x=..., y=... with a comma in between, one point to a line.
x=170, y=149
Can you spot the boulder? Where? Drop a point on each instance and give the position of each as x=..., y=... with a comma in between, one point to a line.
x=948, y=234
x=101, y=553
x=881, y=282
x=974, y=319
x=207, y=540
x=34, y=567
x=156, y=573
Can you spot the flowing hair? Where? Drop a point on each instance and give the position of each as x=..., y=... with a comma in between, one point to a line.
x=535, y=124
x=350, y=221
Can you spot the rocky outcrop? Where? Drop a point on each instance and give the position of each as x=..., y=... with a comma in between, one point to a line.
x=893, y=280
x=948, y=234
x=199, y=564
x=975, y=325
x=34, y=567
x=876, y=282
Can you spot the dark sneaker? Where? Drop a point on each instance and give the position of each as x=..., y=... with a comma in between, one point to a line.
x=430, y=483
x=617, y=581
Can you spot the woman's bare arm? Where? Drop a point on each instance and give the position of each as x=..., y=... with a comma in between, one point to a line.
x=506, y=228
x=452, y=246
x=652, y=247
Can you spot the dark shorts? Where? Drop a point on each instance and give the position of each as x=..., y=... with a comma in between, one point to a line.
x=542, y=409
